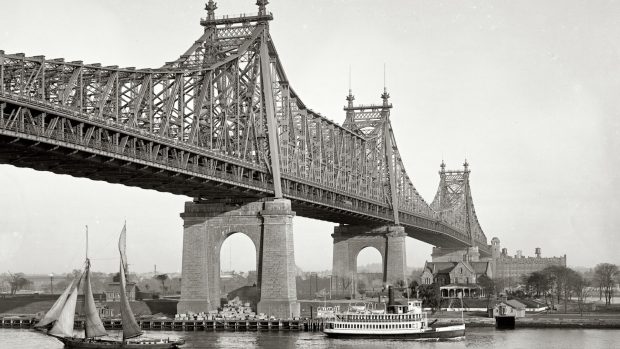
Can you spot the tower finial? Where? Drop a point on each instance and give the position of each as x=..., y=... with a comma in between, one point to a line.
x=261, y=7
x=349, y=79
x=466, y=165
x=384, y=85
x=211, y=6
x=350, y=97
x=385, y=95
x=443, y=166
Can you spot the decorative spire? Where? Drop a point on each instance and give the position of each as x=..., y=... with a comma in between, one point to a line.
x=466, y=166
x=443, y=167
x=261, y=7
x=385, y=95
x=350, y=97
x=211, y=7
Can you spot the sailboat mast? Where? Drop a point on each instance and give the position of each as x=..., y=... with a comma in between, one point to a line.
x=87, y=242
x=85, y=284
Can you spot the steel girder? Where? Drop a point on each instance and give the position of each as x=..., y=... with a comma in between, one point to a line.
x=207, y=115
x=455, y=204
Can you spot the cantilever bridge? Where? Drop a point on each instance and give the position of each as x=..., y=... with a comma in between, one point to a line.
x=223, y=122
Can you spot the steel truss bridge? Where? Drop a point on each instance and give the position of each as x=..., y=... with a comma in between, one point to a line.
x=222, y=121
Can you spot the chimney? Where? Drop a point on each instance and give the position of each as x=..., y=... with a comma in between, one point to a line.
x=504, y=252
x=537, y=251
x=519, y=254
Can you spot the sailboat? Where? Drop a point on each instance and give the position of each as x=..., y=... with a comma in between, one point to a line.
x=59, y=320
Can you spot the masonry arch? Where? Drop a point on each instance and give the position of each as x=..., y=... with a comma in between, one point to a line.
x=237, y=257
x=238, y=252
x=369, y=276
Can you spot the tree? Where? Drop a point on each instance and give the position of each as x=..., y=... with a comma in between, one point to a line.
x=162, y=278
x=361, y=286
x=563, y=280
x=605, y=275
x=116, y=277
x=488, y=285
x=430, y=295
x=17, y=282
x=581, y=287
x=538, y=282
x=413, y=287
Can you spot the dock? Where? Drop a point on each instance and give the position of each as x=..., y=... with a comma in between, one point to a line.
x=189, y=325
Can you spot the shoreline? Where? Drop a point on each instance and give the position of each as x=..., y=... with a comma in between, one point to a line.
x=538, y=322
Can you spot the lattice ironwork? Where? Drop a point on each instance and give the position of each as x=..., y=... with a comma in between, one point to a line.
x=223, y=112
x=455, y=204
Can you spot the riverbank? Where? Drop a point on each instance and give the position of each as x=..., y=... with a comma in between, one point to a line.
x=594, y=321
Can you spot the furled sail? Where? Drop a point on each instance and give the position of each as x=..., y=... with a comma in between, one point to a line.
x=130, y=326
x=64, y=325
x=93, y=326
x=54, y=312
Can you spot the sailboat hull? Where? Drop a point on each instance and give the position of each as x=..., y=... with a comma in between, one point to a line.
x=109, y=344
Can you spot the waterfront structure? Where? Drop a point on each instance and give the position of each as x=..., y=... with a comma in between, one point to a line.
x=222, y=124
x=505, y=313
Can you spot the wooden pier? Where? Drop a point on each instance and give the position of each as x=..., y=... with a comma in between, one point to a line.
x=189, y=325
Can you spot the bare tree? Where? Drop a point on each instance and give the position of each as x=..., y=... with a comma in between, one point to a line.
x=581, y=286
x=605, y=276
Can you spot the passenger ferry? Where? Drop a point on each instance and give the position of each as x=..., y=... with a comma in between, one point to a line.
x=399, y=321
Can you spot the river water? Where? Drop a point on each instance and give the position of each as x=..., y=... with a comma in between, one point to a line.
x=475, y=338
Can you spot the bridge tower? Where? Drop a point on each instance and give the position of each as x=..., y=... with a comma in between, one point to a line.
x=373, y=123
x=267, y=221
x=454, y=203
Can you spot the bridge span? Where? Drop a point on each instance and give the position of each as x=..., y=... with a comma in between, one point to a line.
x=223, y=125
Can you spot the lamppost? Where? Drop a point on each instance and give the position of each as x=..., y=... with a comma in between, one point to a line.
x=52, y=283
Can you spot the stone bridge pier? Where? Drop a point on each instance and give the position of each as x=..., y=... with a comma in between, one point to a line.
x=349, y=240
x=269, y=224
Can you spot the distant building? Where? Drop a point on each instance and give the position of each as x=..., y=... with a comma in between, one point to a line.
x=510, y=308
x=113, y=292
x=456, y=271
x=459, y=268
x=514, y=267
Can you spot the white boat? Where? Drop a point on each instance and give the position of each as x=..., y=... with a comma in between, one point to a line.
x=59, y=320
x=399, y=321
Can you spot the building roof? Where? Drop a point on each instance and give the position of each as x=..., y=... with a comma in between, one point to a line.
x=516, y=304
x=465, y=264
x=480, y=267
x=512, y=303
x=460, y=285
x=442, y=267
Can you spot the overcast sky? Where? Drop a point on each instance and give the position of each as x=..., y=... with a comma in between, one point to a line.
x=527, y=91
